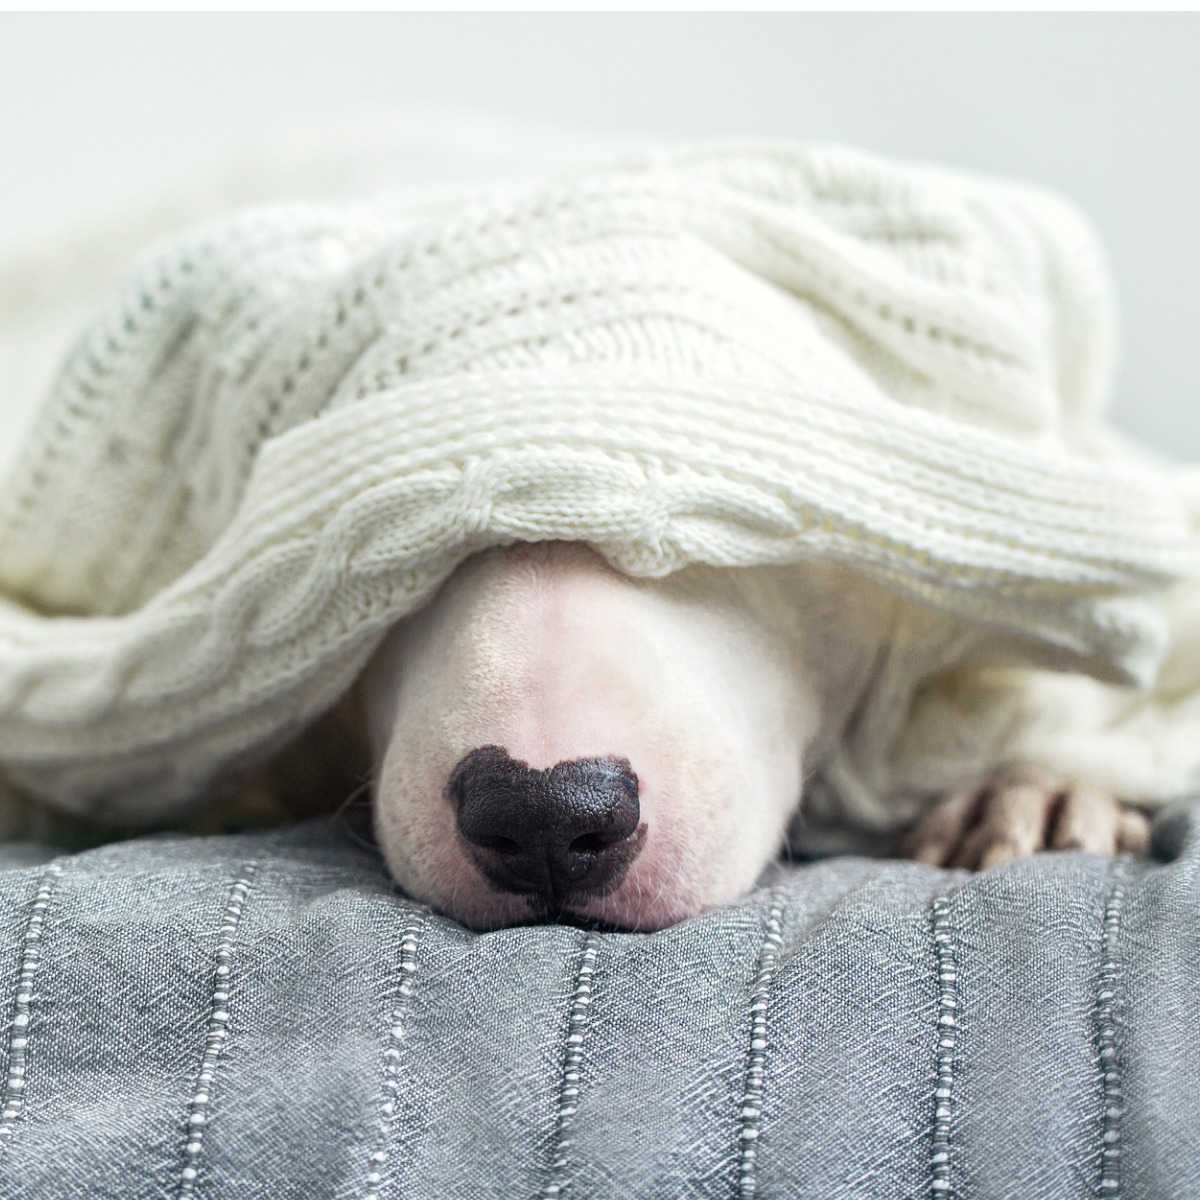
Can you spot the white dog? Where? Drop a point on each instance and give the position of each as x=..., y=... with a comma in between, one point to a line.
x=286, y=430
x=554, y=740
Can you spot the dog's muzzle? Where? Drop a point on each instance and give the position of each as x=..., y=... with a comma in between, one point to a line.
x=559, y=835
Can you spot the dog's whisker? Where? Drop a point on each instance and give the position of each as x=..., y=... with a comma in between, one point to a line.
x=355, y=798
x=355, y=795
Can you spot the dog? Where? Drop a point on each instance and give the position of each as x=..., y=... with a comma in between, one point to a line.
x=553, y=740
x=869, y=375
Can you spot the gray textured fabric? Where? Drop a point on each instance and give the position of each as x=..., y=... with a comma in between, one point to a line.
x=262, y=1016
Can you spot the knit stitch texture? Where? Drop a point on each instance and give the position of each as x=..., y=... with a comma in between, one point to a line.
x=290, y=426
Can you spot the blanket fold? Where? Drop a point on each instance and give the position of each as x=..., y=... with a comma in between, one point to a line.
x=290, y=426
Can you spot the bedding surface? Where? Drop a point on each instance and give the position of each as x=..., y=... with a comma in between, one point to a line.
x=262, y=1015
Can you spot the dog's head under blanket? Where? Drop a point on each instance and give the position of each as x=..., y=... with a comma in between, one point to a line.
x=291, y=426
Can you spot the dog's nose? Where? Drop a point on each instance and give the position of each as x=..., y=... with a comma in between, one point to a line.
x=564, y=833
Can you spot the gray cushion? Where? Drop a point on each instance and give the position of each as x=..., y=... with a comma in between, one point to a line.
x=261, y=1015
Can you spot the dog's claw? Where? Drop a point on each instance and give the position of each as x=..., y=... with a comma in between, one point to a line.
x=1133, y=832
x=1020, y=811
x=933, y=839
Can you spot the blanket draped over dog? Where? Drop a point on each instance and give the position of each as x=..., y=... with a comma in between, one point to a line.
x=289, y=427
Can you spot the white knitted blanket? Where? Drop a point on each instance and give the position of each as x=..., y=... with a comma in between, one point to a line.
x=288, y=428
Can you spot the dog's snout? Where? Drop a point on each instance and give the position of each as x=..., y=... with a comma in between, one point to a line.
x=562, y=834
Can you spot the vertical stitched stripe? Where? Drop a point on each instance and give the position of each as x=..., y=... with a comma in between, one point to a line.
x=750, y=1114
x=391, y=1055
x=218, y=1028
x=940, y=1186
x=13, y=1103
x=1109, y=998
x=572, y=1062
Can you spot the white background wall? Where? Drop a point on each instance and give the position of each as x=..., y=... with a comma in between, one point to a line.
x=96, y=110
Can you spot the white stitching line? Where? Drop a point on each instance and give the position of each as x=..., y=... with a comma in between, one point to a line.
x=940, y=1185
x=13, y=1103
x=218, y=1021
x=1109, y=997
x=568, y=1089
x=391, y=1055
x=750, y=1114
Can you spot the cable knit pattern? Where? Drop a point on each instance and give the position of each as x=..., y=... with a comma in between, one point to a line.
x=291, y=426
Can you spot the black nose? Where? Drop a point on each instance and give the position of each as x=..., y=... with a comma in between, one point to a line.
x=561, y=834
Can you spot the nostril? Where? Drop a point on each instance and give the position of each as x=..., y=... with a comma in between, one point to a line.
x=501, y=845
x=593, y=843
x=488, y=790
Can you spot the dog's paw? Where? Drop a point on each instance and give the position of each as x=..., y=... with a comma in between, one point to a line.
x=1019, y=811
